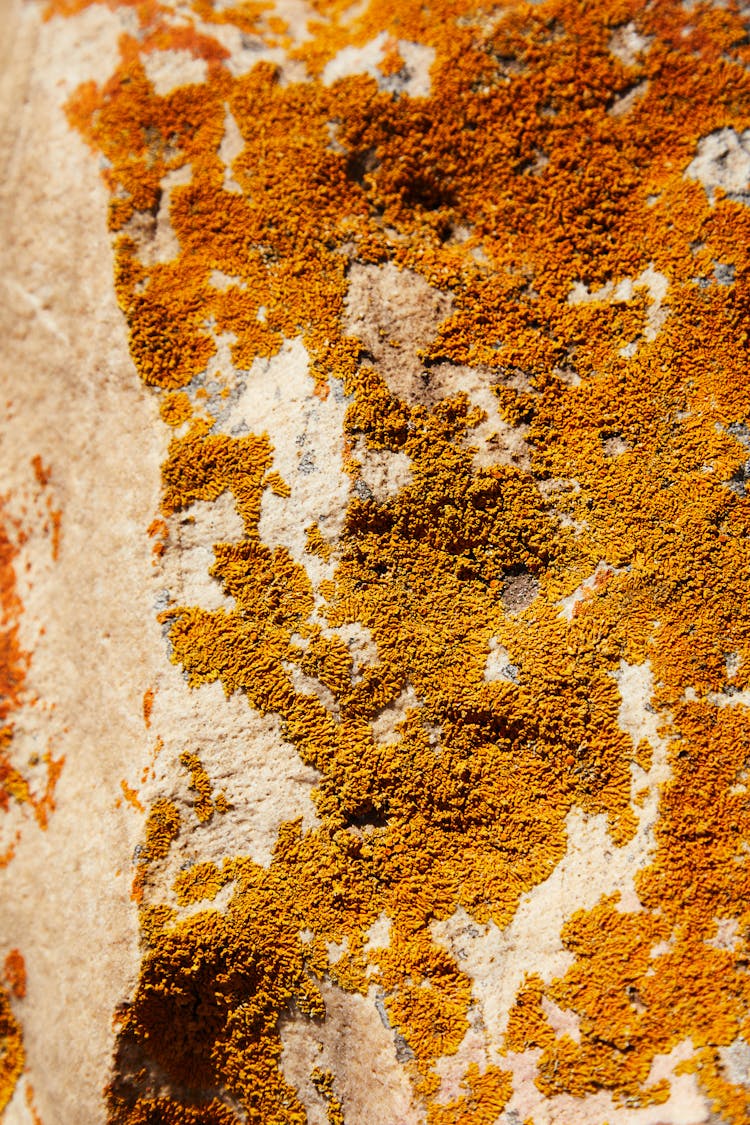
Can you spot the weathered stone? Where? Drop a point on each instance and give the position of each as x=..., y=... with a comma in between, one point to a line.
x=373, y=581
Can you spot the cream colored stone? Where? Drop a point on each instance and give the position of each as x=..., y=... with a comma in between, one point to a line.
x=723, y=161
x=627, y=44
x=355, y=1044
x=170, y=69
x=76, y=402
x=414, y=79
x=396, y=315
x=653, y=281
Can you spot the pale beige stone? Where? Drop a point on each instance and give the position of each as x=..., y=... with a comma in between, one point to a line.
x=74, y=401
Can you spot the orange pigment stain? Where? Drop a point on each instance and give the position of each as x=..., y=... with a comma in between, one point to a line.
x=150, y=768
x=56, y=525
x=148, y=704
x=158, y=531
x=14, y=664
x=42, y=472
x=517, y=179
x=15, y=786
x=31, y=1105
x=53, y=527
x=131, y=796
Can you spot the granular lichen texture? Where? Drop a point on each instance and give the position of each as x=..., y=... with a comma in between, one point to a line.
x=446, y=307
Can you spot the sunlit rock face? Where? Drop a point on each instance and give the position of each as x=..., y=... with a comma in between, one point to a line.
x=374, y=629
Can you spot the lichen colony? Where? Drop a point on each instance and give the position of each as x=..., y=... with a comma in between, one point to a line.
x=508, y=248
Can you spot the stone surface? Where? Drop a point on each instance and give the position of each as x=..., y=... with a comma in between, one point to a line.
x=374, y=563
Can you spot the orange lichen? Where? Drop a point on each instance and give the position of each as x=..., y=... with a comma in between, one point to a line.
x=148, y=706
x=150, y=767
x=202, y=465
x=488, y=1094
x=31, y=1105
x=53, y=528
x=55, y=515
x=201, y=785
x=42, y=472
x=202, y=881
x=240, y=970
x=14, y=972
x=12, y=1054
x=17, y=786
x=131, y=796
x=44, y=804
x=317, y=544
x=278, y=485
x=176, y=409
x=162, y=827
x=323, y=1081
x=14, y=663
x=526, y=182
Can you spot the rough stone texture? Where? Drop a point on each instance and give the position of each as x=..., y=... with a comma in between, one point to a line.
x=65, y=369
x=375, y=645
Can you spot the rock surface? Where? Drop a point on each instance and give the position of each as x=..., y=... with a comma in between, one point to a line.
x=374, y=663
